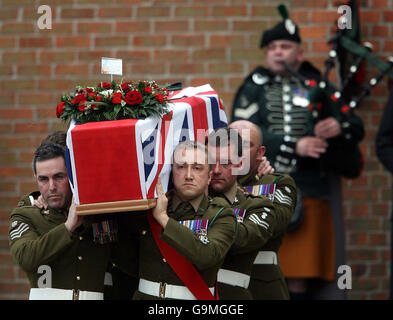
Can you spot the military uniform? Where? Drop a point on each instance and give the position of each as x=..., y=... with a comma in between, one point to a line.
x=258, y=224
x=205, y=250
x=280, y=107
x=267, y=280
x=39, y=241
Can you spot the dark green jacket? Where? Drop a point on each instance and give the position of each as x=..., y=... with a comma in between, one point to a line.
x=259, y=225
x=267, y=281
x=207, y=257
x=39, y=237
x=279, y=105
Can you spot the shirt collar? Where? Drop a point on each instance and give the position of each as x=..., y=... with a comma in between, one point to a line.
x=231, y=193
x=194, y=202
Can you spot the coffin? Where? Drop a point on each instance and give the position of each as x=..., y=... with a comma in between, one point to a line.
x=113, y=166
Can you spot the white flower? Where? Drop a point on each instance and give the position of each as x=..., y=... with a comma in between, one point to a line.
x=106, y=93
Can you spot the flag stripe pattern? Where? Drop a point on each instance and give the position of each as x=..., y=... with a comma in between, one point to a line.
x=122, y=160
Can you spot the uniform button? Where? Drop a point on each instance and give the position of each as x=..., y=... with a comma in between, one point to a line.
x=80, y=238
x=164, y=260
x=286, y=97
x=144, y=232
x=288, y=107
x=80, y=257
x=78, y=278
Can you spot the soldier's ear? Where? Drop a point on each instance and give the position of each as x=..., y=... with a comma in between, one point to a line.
x=261, y=152
x=300, y=54
x=209, y=177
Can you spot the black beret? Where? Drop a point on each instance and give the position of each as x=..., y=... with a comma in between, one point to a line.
x=285, y=30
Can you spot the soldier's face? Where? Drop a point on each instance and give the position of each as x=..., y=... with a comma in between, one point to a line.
x=280, y=51
x=222, y=174
x=190, y=173
x=53, y=183
x=253, y=151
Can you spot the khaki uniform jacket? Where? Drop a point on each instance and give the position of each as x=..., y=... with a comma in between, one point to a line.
x=267, y=280
x=206, y=256
x=39, y=238
x=257, y=227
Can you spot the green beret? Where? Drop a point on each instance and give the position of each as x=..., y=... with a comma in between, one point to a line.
x=285, y=30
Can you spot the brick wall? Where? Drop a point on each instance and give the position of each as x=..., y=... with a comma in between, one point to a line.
x=196, y=42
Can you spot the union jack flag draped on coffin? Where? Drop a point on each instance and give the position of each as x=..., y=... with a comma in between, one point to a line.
x=121, y=160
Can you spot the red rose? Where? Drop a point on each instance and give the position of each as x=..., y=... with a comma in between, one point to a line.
x=125, y=87
x=60, y=109
x=91, y=94
x=89, y=90
x=81, y=107
x=80, y=97
x=98, y=98
x=116, y=98
x=93, y=106
x=105, y=85
x=133, y=97
x=160, y=98
x=148, y=89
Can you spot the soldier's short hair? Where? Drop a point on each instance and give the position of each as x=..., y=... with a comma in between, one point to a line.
x=188, y=144
x=47, y=152
x=56, y=137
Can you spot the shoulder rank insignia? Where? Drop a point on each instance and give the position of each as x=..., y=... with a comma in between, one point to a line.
x=18, y=230
x=240, y=213
x=266, y=190
x=198, y=227
x=281, y=197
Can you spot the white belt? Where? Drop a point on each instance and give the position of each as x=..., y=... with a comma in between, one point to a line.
x=266, y=257
x=164, y=290
x=233, y=278
x=63, y=294
x=108, y=279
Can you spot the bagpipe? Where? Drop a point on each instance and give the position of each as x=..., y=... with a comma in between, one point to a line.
x=350, y=56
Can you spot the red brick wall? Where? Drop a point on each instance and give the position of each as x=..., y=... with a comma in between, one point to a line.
x=196, y=42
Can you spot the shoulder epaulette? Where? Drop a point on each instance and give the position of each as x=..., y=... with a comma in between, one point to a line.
x=219, y=202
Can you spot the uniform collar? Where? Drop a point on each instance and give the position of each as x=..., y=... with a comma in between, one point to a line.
x=195, y=203
x=231, y=193
x=249, y=179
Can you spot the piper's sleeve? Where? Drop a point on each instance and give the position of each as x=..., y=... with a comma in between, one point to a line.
x=203, y=254
x=384, y=138
x=31, y=250
x=245, y=105
x=352, y=126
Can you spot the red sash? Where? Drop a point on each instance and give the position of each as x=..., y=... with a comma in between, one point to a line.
x=182, y=267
